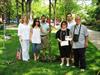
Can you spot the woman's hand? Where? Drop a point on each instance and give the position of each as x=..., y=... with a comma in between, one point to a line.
x=20, y=37
x=59, y=40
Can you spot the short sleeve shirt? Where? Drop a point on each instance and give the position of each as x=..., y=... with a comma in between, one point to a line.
x=83, y=34
x=44, y=27
x=70, y=24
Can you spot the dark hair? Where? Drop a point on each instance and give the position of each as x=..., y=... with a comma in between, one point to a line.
x=63, y=22
x=34, y=23
x=69, y=14
x=43, y=16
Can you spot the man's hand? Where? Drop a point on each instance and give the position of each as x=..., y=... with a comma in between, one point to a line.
x=86, y=45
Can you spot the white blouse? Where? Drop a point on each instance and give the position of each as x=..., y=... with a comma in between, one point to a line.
x=24, y=31
x=36, y=38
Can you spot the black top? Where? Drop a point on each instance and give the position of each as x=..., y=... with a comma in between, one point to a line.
x=61, y=34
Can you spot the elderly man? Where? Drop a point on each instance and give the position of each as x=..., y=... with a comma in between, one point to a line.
x=80, y=43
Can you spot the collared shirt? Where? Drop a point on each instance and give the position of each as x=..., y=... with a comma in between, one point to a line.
x=44, y=27
x=83, y=34
x=70, y=24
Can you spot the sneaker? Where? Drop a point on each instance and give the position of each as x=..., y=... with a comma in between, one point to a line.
x=61, y=64
x=67, y=64
x=73, y=66
x=82, y=70
x=25, y=60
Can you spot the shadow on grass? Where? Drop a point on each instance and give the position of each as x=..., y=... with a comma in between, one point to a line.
x=10, y=66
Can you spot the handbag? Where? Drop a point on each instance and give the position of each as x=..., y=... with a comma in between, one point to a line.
x=19, y=51
x=18, y=54
x=76, y=36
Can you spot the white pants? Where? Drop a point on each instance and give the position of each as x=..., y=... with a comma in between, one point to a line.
x=25, y=49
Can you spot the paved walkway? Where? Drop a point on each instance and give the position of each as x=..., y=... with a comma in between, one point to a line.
x=11, y=27
x=94, y=37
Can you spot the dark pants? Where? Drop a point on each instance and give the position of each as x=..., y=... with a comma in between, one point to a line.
x=79, y=58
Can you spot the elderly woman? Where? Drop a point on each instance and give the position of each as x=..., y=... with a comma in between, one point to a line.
x=62, y=36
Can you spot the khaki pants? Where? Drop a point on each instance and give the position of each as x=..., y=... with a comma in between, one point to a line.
x=44, y=42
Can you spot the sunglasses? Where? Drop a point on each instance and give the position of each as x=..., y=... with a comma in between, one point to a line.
x=37, y=21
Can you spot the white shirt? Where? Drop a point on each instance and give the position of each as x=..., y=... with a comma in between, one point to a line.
x=70, y=24
x=19, y=29
x=24, y=31
x=36, y=38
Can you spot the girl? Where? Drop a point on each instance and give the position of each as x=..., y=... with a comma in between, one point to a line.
x=35, y=38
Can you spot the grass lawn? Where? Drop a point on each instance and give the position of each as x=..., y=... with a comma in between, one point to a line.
x=10, y=66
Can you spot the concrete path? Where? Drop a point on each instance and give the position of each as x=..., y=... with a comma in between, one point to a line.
x=12, y=27
x=94, y=37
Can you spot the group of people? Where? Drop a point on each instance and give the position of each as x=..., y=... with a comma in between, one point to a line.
x=72, y=39
x=35, y=33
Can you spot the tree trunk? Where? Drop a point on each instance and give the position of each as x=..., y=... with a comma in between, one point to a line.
x=23, y=7
x=50, y=29
x=55, y=12
x=17, y=12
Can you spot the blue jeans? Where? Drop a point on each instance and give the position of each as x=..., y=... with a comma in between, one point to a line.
x=36, y=47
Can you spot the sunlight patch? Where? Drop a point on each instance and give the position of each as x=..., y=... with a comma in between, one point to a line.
x=69, y=73
x=39, y=71
x=1, y=52
x=94, y=67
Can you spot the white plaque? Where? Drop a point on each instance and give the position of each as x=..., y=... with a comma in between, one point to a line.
x=64, y=43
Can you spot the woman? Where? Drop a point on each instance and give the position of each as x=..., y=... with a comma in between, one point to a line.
x=23, y=33
x=62, y=36
x=35, y=38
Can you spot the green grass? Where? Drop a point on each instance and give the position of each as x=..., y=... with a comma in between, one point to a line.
x=10, y=66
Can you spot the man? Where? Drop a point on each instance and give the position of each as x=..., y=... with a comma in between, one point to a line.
x=80, y=43
x=44, y=36
x=70, y=20
x=71, y=23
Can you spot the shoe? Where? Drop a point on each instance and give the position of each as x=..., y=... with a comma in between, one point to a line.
x=82, y=70
x=25, y=60
x=61, y=64
x=73, y=66
x=67, y=64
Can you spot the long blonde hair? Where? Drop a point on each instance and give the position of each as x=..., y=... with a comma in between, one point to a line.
x=26, y=20
x=21, y=20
